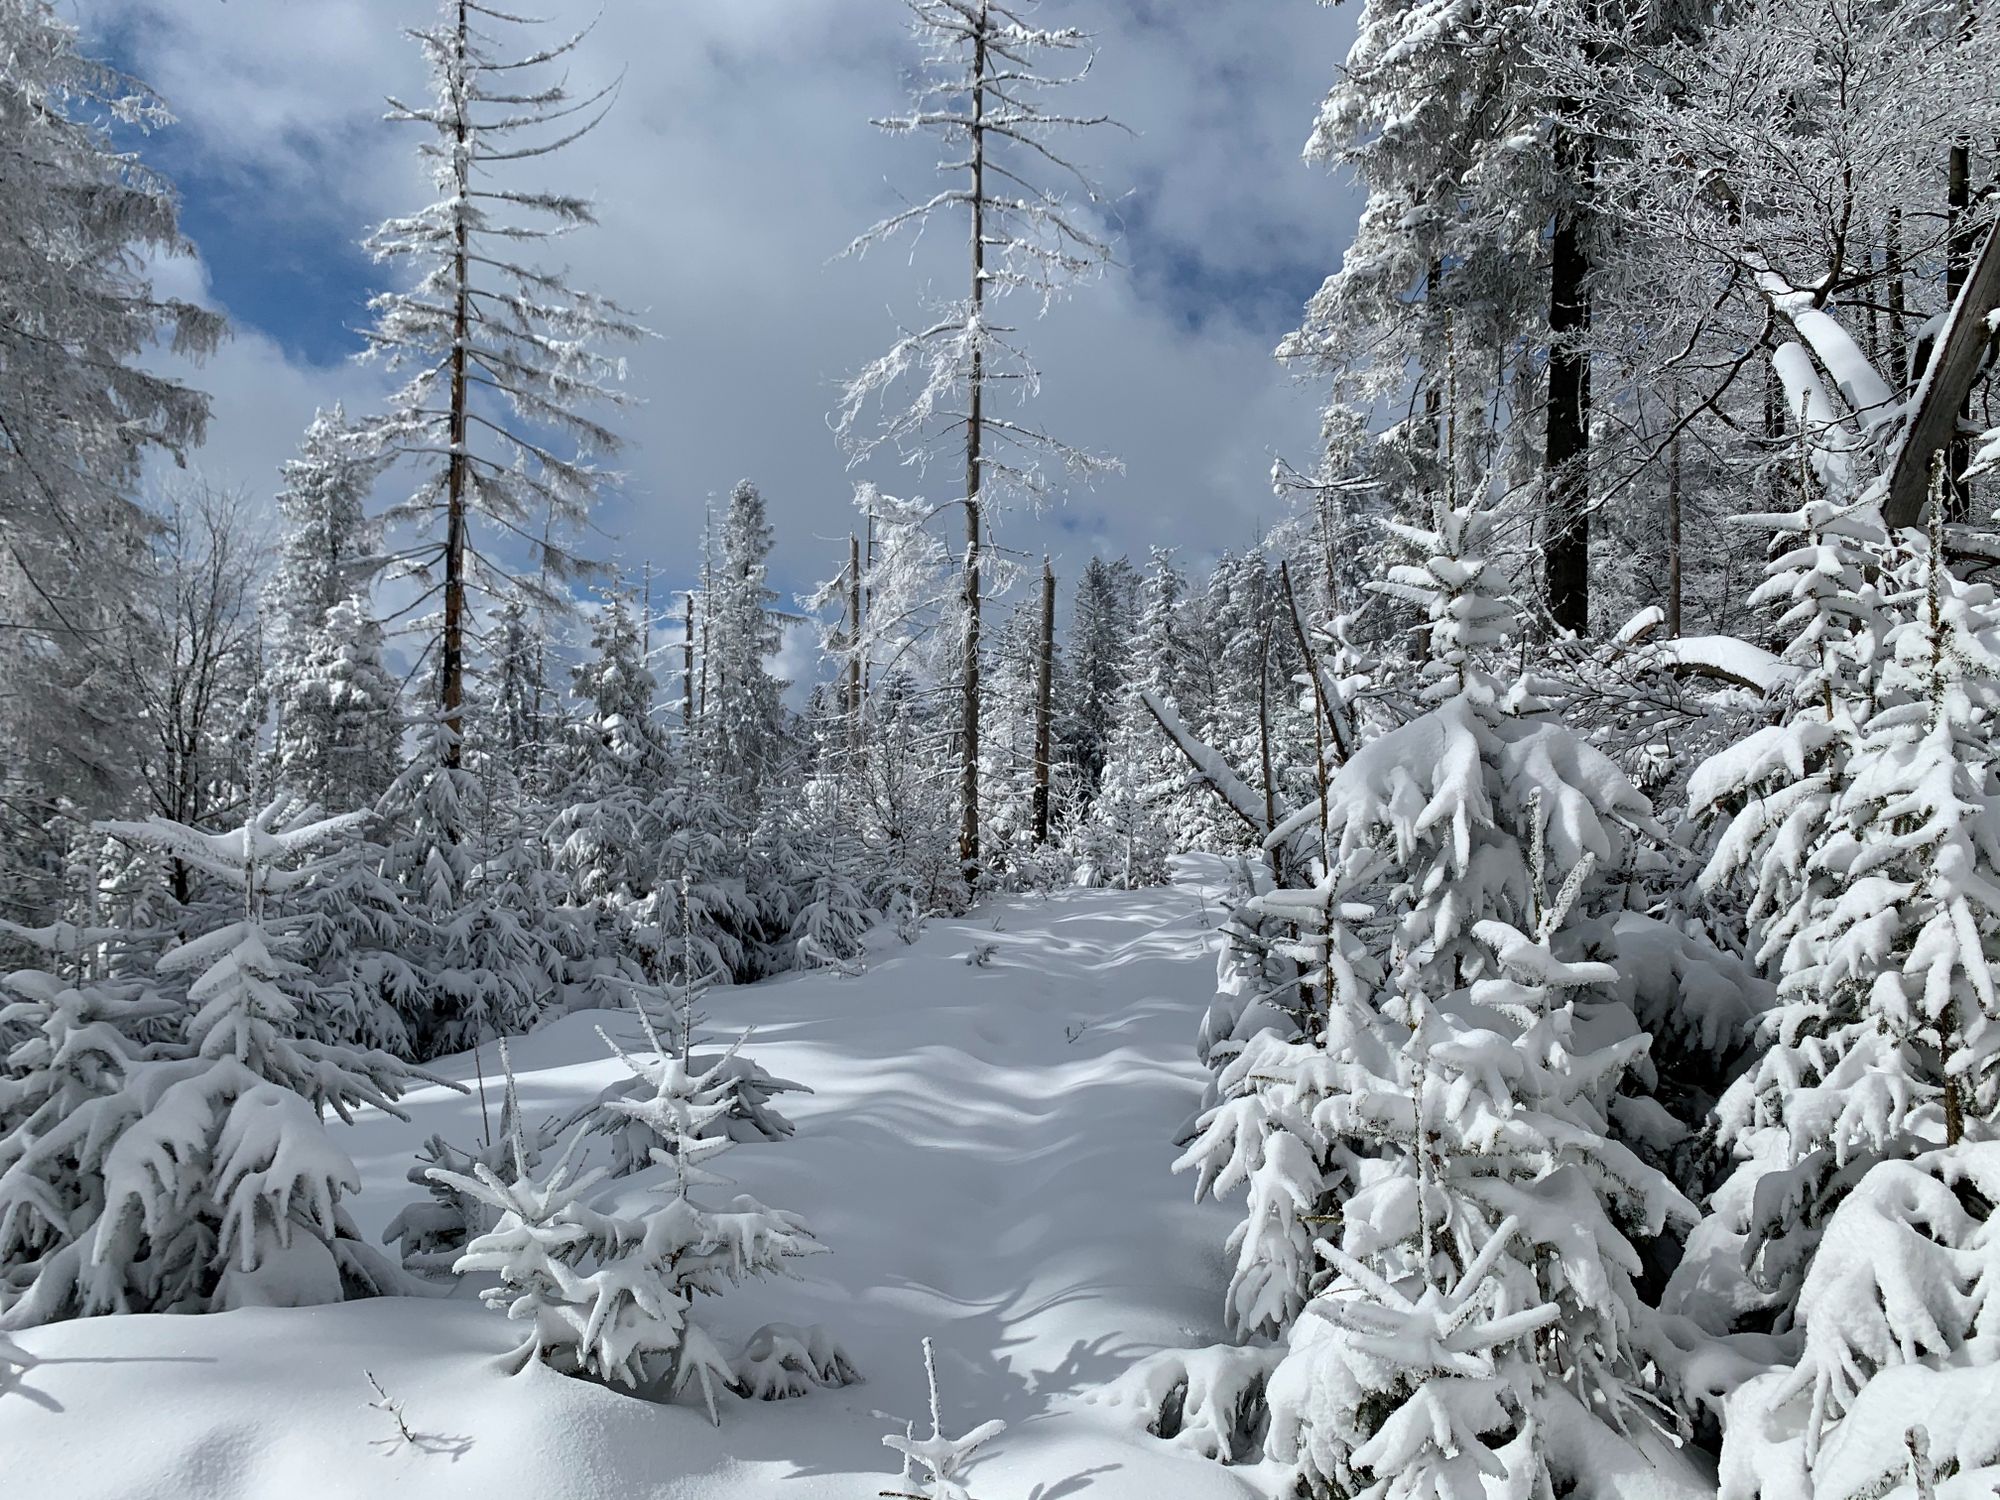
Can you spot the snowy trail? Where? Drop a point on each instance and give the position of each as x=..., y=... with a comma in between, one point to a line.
x=985, y=1155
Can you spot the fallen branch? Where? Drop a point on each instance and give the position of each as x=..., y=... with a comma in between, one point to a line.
x=1209, y=768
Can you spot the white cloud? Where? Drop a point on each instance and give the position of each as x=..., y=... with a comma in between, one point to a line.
x=261, y=397
x=736, y=165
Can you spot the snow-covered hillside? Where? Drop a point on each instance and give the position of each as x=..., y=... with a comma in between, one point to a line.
x=985, y=1154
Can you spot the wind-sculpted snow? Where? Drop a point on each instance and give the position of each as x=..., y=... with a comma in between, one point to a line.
x=984, y=1154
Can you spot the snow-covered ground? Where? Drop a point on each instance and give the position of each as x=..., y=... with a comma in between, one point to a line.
x=985, y=1154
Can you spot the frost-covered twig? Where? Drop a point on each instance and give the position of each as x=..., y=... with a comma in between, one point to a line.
x=939, y=1455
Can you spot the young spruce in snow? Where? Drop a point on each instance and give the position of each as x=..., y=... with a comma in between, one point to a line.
x=1448, y=1109
x=196, y=1173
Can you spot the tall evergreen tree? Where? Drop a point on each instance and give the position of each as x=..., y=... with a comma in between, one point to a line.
x=339, y=734
x=745, y=707
x=79, y=411
x=1100, y=619
x=328, y=551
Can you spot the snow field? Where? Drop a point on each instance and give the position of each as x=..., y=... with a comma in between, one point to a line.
x=985, y=1156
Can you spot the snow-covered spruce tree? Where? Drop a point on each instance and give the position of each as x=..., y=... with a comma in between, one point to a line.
x=1007, y=738
x=220, y=1187
x=1164, y=657
x=1100, y=620
x=745, y=710
x=647, y=832
x=505, y=358
x=1769, y=803
x=910, y=814
x=1477, y=229
x=1257, y=980
x=603, y=836
x=487, y=963
x=986, y=95
x=1144, y=807
x=73, y=1039
x=79, y=320
x=1769, y=794
x=815, y=871
x=609, y=1294
x=328, y=550
x=1876, y=1085
x=729, y=1092
x=1299, y=988
x=1123, y=841
x=352, y=932
x=1455, y=1122
x=432, y=1233
x=518, y=717
x=328, y=554
x=900, y=788
x=337, y=710
x=339, y=713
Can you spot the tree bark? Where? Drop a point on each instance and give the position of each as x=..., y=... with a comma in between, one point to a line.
x=451, y=664
x=1264, y=716
x=1674, y=535
x=1958, y=260
x=1899, y=348
x=969, y=696
x=1045, y=671
x=868, y=606
x=1566, y=545
x=707, y=612
x=853, y=643
x=687, y=667
x=1951, y=367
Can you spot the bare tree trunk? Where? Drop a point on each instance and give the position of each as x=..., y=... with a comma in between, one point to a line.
x=968, y=746
x=1899, y=348
x=1323, y=714
x=1327, y=560
x=868, y=607
x=1674, y=533
x=1567, y=438
x=853, y=643
x=1264, y=717
x=451, y=664
x=707, y=611
x=1045, y=671
x=1435, y=416
x=1328, y=712
x=1958, y=259
x=687, y=667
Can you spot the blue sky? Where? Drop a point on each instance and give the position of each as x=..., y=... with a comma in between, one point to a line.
x=737, y=163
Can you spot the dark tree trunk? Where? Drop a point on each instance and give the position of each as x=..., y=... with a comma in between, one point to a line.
x=1674, y=537
x=975, y=432
x=1566, y=545
x=854, y=642
x=1045, y=672
x=687, y=667
x=451, y=662
x=1958, y=259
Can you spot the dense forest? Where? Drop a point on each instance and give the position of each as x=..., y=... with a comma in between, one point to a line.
x=1593, y=772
